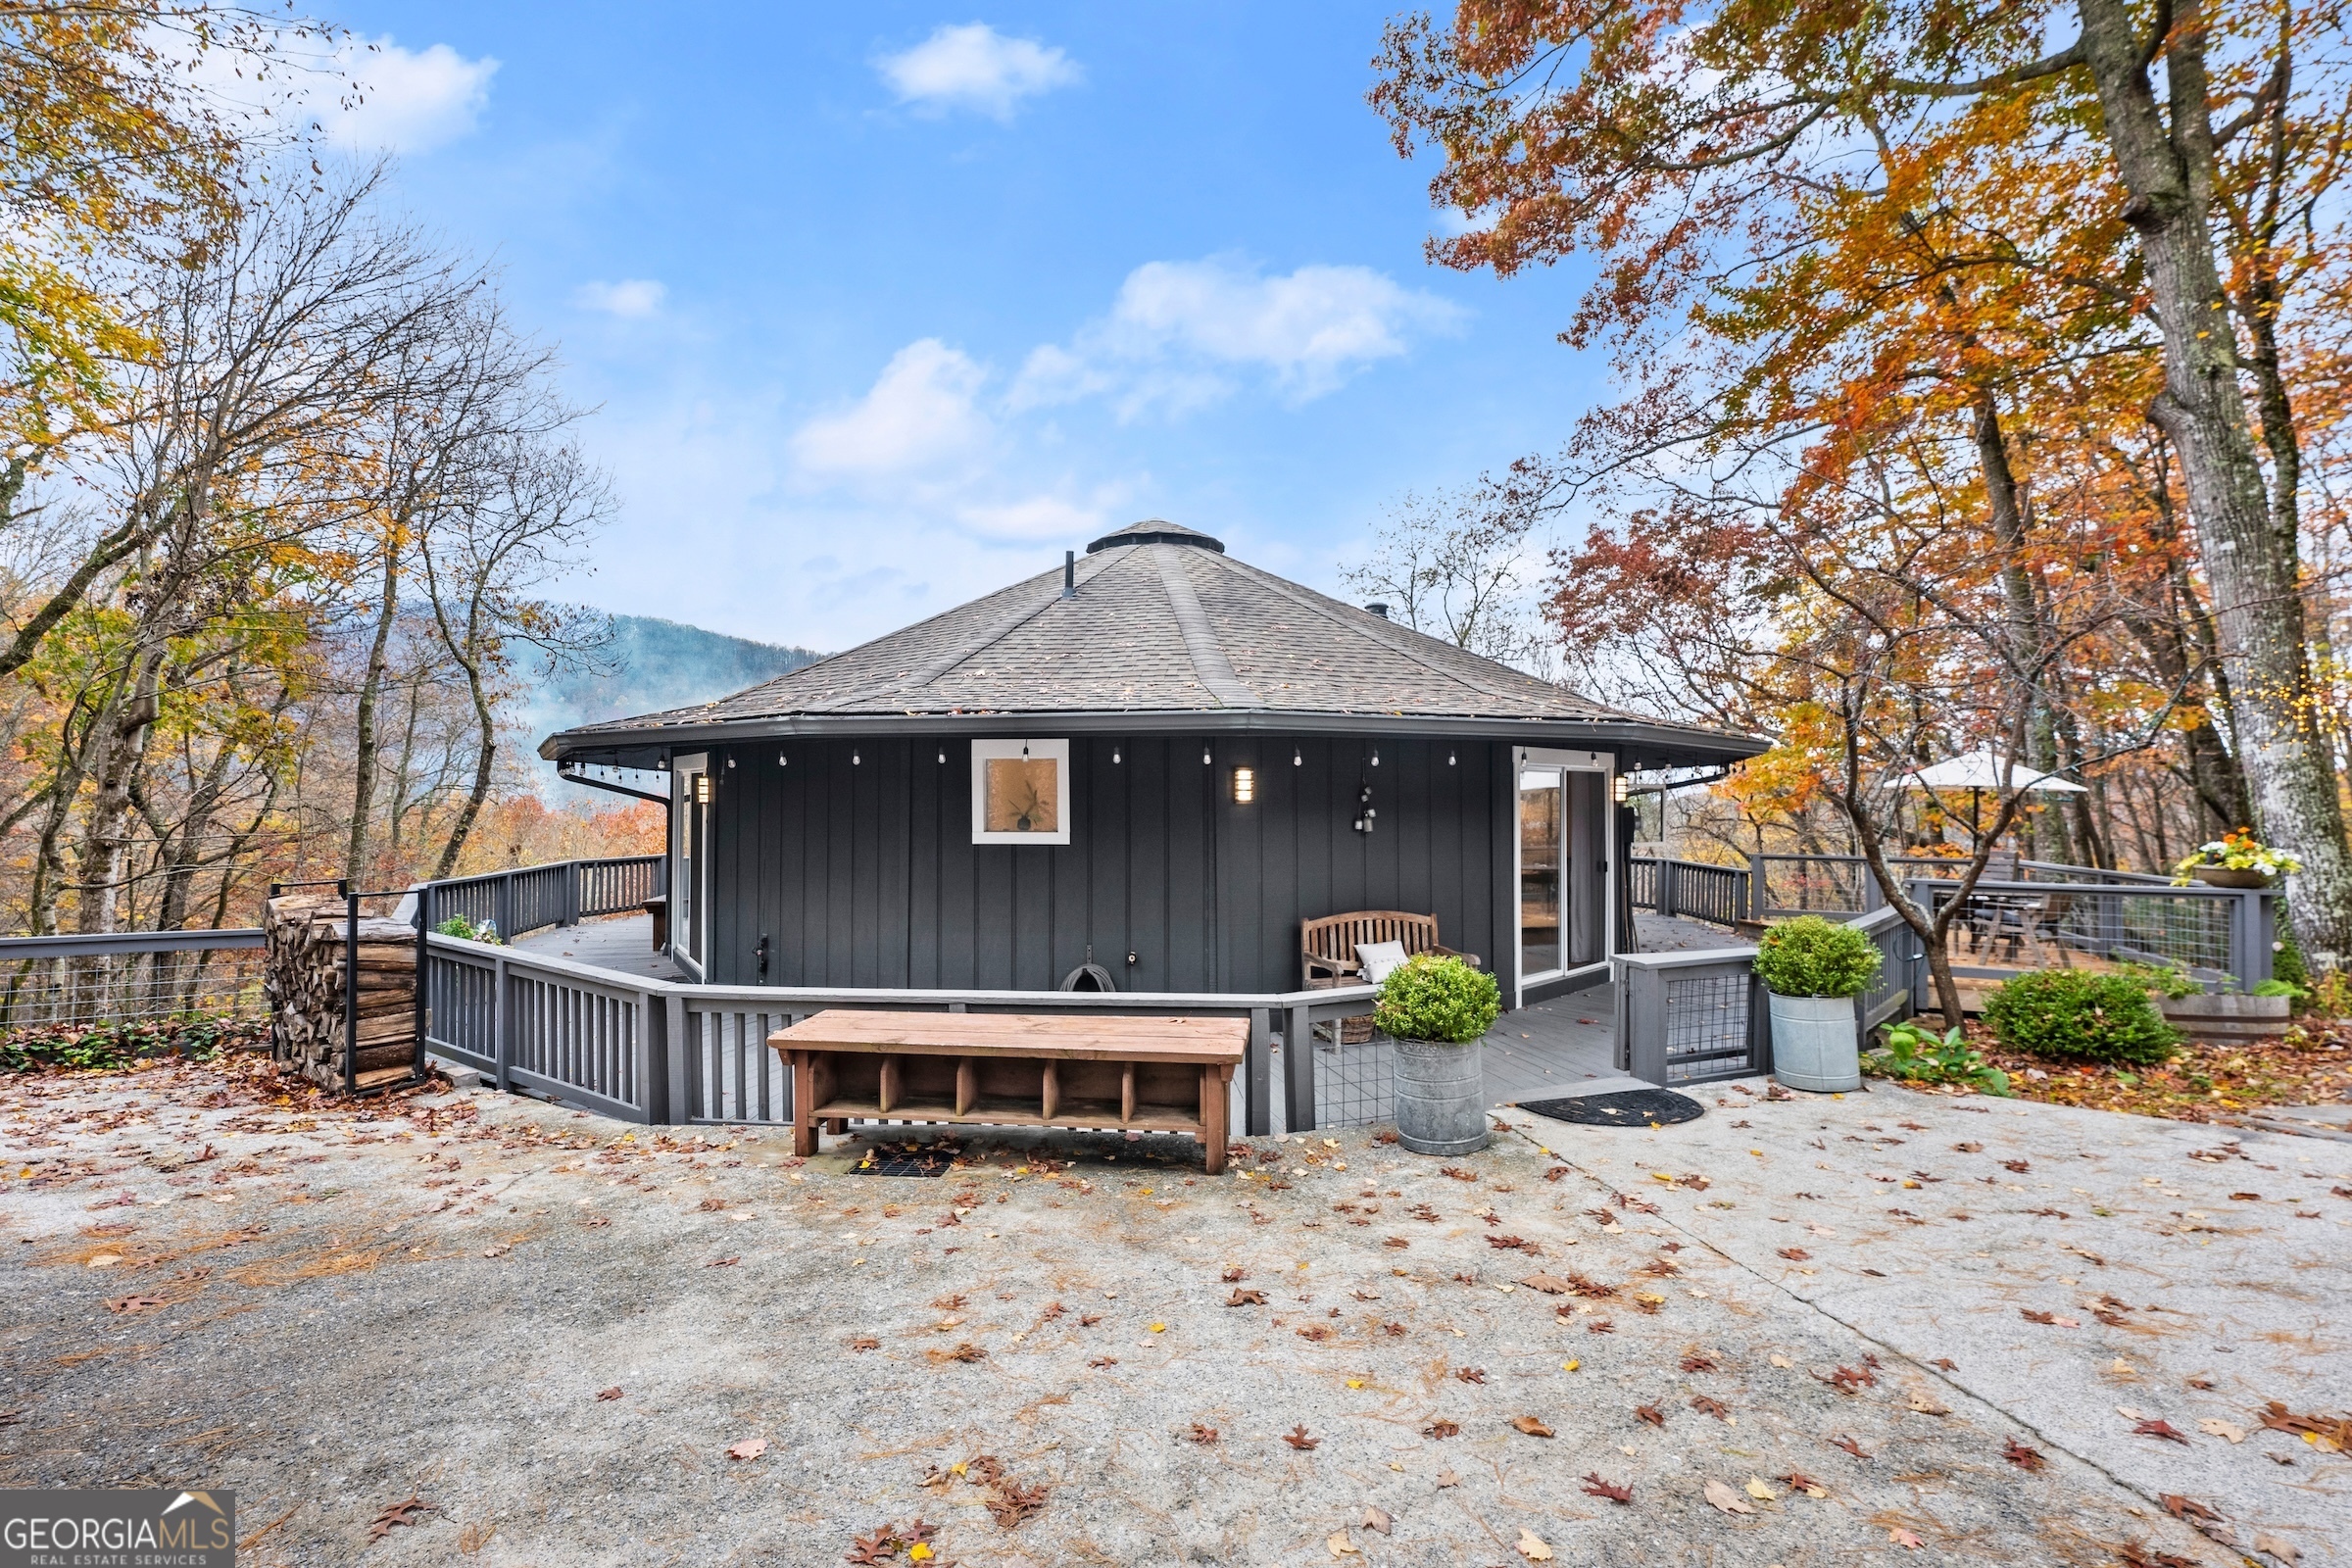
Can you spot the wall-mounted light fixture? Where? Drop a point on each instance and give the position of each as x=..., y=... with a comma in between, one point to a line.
x=702, y=789
x=1624, y=789
x=1245, y=785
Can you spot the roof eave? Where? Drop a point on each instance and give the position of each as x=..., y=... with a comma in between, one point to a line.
x=1651, y=743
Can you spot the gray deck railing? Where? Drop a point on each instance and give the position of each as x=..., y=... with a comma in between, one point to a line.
x=1691, y=889
x=670, y=1052
x=532, y=897
x=1696, y=1016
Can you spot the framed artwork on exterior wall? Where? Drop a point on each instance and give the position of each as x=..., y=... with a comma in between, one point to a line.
x=1022, y=791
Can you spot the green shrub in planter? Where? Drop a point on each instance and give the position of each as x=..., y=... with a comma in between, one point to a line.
x=2077, y=1016
x=1429, y=998
x=1809, y=956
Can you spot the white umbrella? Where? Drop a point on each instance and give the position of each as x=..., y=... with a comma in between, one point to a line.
x=1982, y=770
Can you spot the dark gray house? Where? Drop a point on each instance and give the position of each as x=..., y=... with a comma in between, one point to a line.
x=1160, y=760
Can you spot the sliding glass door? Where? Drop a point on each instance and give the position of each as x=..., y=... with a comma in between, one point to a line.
x=1541, y=825
x=1563, y=864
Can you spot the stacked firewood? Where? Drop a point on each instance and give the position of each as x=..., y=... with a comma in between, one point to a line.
x=305, y=973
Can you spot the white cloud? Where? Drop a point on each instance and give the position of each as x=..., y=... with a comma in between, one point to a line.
x=405, y=101
x=920, y=415
x=975, y=67
x=1040, y=517
x=1179, y=330
x=631, y=298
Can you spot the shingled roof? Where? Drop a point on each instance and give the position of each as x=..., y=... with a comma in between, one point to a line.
x=1163, y=631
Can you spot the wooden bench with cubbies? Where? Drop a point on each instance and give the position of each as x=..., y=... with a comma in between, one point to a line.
x=1137, y=1074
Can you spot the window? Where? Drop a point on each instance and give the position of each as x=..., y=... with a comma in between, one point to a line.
x=1022, y=791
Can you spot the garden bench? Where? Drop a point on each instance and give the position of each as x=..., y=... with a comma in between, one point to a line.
x=1013, y=1069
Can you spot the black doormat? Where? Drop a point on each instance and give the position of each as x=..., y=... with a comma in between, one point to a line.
x=908, y=1159
x=1631, y=1108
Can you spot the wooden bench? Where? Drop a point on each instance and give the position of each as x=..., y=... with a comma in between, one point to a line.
x=1327, y=946
x=1013, y=1069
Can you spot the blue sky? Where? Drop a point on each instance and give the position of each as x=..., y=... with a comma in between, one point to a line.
x=883, y=307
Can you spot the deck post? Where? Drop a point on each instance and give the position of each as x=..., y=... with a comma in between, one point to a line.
x=1644, y=1027
x=501, y=1051
x=1670, y=888
x=678, y=1049
x=1297, y=1076
x=652, y=1057
x=1755, y=888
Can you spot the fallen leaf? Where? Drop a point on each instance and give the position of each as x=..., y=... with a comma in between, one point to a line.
x=133, y=1303
x=1376, y=1519
x=1298, y=1439
x=1446, y=1477
x=1905, y=1539
x=1532, y=1547
x=1242, y=1297
x=1725, y=1499
x=2215, y=1427
x=2024, y=1458
x=2279, y=1547
x=1757, y=1489
x=1531, y=1426
x=1594, y=1486
x=722, y=1263
x=1705, y=1405
x=1849, y=1445
x=1441, y=1428
x=1651, y=1414
x=748, y=1448
x=613, y=1392
x=399, y=1513
x=1924, y=1403
x=1796, y=1254
x=865, y=1342
x=1342, y=1547
x=2189, y=1509
x=1549, y=1283
x=2152, y=1427
x=1203, y=1435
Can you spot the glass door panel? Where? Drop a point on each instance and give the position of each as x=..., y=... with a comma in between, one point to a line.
x=1541, y=806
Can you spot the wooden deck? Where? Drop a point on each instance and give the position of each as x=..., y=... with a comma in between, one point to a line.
x=621, y=943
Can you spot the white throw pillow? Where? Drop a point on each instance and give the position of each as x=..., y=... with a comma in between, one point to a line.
x=1379, y=957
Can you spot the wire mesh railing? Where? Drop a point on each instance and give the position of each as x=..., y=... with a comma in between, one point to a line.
x=130, y=976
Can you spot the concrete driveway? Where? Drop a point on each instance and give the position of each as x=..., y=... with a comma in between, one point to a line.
x=581, y=1344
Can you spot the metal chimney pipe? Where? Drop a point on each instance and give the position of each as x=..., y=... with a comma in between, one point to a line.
x=1069, y=574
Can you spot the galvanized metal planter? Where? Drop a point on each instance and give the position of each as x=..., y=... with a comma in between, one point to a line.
x=1441, y=1096
x=1815, y=1045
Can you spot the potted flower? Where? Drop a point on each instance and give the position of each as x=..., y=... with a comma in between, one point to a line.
x=2236, y=860
x=1436, y=1008
x=1814, y=971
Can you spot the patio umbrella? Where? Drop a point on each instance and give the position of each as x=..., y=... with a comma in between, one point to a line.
x=1982, y=770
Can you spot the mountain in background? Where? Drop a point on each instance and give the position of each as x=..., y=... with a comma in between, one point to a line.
x=648, y=666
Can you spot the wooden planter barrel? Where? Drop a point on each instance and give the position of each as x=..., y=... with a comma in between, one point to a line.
x=2227, y=1016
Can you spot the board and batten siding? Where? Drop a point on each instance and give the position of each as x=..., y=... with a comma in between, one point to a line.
x=862, y=872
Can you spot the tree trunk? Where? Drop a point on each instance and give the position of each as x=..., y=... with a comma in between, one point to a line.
x=363, y=745
x=2202, y=412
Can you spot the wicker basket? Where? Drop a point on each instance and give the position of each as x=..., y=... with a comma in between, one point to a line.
x=1355, y=1031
